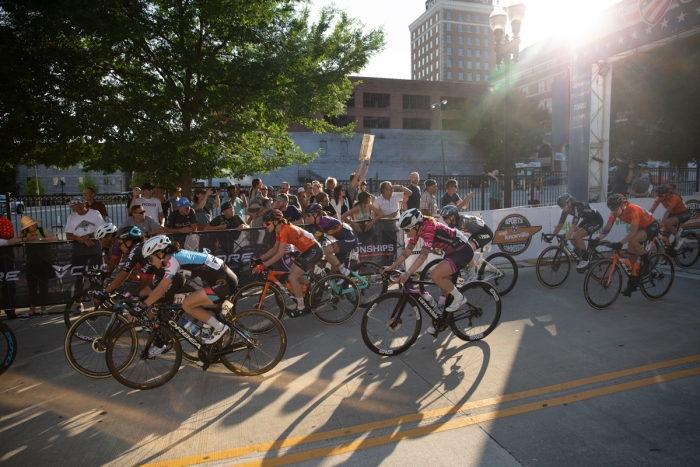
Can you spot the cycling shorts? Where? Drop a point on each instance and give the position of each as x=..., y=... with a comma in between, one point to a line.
x=341, y=248
x=591, y=226
x=175, y=285
x=483, y=237
x=309, y=257
x=460, y=259
x=652, y=230
x=226, y=284
x=682, y=217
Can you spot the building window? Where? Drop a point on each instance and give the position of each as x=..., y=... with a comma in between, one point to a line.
x=340, y=120
x=375, y=122
x=450, y=124
x=324, y=148
x=414, y=67
x=469, y=28
x=80, y=179
x=454, y=103
x=351, y=101
x=448, y=27
x=414, y=34
x=437, y=53
x=486, y=52
x=478, y=52
x=478, y=29
x=448, y=38
x=461, y=51
x=469, y=16
x=448, y=15
x=469, y=52
x=449, y=51
x=469, y=76
x=431, y=55
x=449, y=62
x=478, y=65
x=437, y=76
x=478, y=41
x=478, y=77
x=459, y=16
x=55, y=181
x=431, y=67
x=460, y=40
x=540, y=86
x=461, y=64
x=469, y=41
x=469, y=64
x=461, y=76
x=478, y=18
x=373, y=99
x=459, y=28
x=486, y=65
x=449, y=75
x=486, y=77
x=416, y=123
x=344, y=148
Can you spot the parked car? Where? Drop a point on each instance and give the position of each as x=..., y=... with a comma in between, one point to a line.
x=16, y=206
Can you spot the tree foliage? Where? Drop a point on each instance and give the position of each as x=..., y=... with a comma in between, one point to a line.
x=87, y=181
x=176, y=88
x=30, y=189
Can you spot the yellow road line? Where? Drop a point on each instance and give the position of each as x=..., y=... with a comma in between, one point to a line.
x=326, y=435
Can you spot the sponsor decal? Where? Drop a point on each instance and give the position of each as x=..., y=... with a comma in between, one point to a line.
x=61, y=270
x=376, y=250
x=235, y=258
x=9, y=276
x=514, y=234
x=694, y=221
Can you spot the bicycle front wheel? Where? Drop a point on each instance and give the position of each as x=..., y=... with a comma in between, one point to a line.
x=377, y=283
x=501, y=271
x=553, y=267
x=334, y=299
x=480, y=315
x=391, y=324
x=8, y=347
x=249, y=297
x=145, y=371
x=269, y=342
x=602, y=284
x=658, y=282
x=81, y=304
x=85, y=344
x=689, y=254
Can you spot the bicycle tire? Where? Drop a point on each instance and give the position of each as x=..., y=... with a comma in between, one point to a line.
x=658, y=282
x=248, y=298
x=553, y=267
x=595, y=257
x=270, y=343
x=143, y=372
x=378, y=282
x=84, y=298
x=507, y=266
x=388, y=330
x=689, y=254
x=8, y=347
x=331, y=307
x=599, y=294
x=86, y=341
x=482, y=312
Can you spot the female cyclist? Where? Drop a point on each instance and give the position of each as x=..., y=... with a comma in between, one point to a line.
x=479, y=234
x=346, y=241
x=586, y=221
x=311, y=253
x=676, y=213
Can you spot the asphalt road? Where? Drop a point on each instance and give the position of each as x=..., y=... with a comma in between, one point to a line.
x=557, y=384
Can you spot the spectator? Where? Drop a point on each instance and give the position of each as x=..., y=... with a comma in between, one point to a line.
x=182, y=221
x=150, y=204
x=237, y=198
x=315, y=190
x=339, y=202
x=389, y=202
x=413, y=200
x=140, y=219
x=227, y=220
x=291, y=213
x=301, y=196
x=534, y=193
x=89, y=195
x=362, y=211
x=330, y=186
x=39, y=261
x=255, y=218
x=495, y=189
x=355, y=179
x=80, y=227
x=363, y=189
x=293, y=200
x=623, y=175
x=641, y=187
x=452, y=198
x=7, y=264
x=205, y=201
x=323, y=200
x=170, y=205
x=428, y=203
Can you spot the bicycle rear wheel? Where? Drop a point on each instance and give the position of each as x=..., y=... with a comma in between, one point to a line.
x=504, y=277
x=602, y=284
x=248, y=298
x=8, y=347
x=269, y=343
x=334, y=299
x=144, y=371
x=85, y=344
x=553, y=267
x=378, y=282
x=689, y=254
x=480, y=315
x=391, y=324
x=658, y=282
x=81, y=304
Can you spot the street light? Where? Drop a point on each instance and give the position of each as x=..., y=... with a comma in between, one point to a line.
x=507, y=50
x=442, y=143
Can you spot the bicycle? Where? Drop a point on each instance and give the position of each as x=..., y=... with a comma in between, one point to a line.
x=687, y=255
x=554, y=263
x=390, y=328
x=603, y=282
x=256, y=343
x=8, y=347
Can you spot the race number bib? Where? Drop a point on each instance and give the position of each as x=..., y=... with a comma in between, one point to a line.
x=226, y=308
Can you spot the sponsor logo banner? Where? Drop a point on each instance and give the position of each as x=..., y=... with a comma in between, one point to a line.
x=514, y=234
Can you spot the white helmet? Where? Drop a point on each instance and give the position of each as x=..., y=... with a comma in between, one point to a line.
x=410, y=218
x=155, y=244
x=105, y=230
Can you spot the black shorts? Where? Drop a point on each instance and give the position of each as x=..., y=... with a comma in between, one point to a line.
x=344, y=247
x=483, y=237
x=652, y=230
x=682, y=217
x=175, y=285
x=461, y=258
x=310, y=257
x=225, y=285
x=591, y=226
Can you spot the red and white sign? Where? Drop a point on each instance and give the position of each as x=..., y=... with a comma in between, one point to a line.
x=653, y=10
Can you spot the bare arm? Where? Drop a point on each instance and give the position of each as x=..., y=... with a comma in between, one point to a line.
x=465, y=201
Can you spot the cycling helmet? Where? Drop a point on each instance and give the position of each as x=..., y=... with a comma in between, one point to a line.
x=130, y=233
x=410, y=218
x=314, y=209
x=615, y=201
x=565, y=198
x=662, y=190
x=272, y=215
x=155, y=244
x=448, y=211
x=105, y=230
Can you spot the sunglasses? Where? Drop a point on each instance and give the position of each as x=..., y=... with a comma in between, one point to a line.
x=139, y=212
x=267, y=224
x=407, y=230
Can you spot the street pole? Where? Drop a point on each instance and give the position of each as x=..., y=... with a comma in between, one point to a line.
x=507, y=195
x=442, y=142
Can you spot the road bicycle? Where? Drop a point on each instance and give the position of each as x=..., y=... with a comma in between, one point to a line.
x=255, y=344
x=554, y=263
x=8, y=347
x=603, y=282
x=687, y=255
x=392, y=322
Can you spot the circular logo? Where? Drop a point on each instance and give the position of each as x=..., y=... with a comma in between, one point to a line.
x=514, y=234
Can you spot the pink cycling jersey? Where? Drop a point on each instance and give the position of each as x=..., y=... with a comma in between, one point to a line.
x=438, y=235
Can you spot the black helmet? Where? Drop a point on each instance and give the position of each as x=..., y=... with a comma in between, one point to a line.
x=130, y=233
x=662, y=190
x=615, y=201
x=314, y=209
x=272, y=215
x=565, y=198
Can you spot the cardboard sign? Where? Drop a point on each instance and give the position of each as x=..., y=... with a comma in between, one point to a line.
x=366, y=148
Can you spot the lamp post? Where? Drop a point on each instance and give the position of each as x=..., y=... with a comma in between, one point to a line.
x=507, y=50
x=442, y=143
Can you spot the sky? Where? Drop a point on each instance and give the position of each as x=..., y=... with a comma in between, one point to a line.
x=543, y=18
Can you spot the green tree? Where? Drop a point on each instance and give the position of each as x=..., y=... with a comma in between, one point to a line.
x=180, y=89
x=30, y=189
x=87, y=181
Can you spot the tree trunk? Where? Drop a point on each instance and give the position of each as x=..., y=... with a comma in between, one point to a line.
x=186, y=184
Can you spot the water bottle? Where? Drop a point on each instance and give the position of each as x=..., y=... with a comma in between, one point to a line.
x=428, y=298
x=206, y=331
x=190, y=326
x=441, y=302
x=628, y=264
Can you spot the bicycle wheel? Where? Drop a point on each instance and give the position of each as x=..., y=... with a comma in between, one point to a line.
x=480, y=315
x=602, y=284
x=248, y=298
x=593, y=260
x=269, y=343
x=82, y=304
x=8, y=347
x=689, y=254
x=86, y=342
x=377, y=283
x=144, y=371
x=658, y=282
x=432, y=289
x=334, y=299
x=505, y=274
x=553, y=267
x=391, y=324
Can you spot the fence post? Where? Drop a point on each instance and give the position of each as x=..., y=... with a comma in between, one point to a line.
x=7, y=206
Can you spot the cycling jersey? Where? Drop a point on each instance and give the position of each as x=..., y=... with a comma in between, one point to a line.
x=300, y=238
x=470, y=224
x=634, y=214
x=580, y=211
x=672, y=201
x=334, y=228
x=196, y=264
x=438, y=235
x=136, y=260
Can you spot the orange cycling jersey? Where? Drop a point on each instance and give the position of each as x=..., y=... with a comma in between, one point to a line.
x=672, y=201
x=634, y=214
x=300, y=238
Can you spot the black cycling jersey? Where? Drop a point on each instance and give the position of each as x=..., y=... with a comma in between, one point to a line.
x=580, y=211
x=136, y=260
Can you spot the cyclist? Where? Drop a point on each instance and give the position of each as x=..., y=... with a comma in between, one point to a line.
x=478, y=233
x=105, y=234
x=311, y=253
x=643, y=227
x=458, y=253
x=346, y=241
x=586, y=221
x=167, y=255
x=676, y=213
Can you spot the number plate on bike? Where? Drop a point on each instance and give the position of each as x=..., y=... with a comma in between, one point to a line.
x=226, y=308
x=179, y=298
x=354, y=255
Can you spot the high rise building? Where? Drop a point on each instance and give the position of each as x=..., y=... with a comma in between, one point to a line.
x=452, y=41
